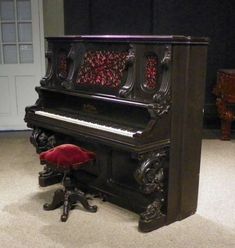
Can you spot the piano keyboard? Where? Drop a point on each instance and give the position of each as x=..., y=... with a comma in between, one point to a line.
x=87, y=124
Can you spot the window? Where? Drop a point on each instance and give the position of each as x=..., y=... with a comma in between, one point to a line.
x=16, y=46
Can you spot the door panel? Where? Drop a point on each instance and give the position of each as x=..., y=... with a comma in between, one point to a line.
x=23, y=88
x=5, y=98
x=21, y=59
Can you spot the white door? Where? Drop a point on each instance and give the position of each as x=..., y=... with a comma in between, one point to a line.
x=21, y=59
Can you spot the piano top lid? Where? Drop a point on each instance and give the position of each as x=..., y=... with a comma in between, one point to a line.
x=170, y=39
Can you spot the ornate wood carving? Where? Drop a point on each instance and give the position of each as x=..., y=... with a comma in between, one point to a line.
x=42, y=140
x=150, y=174
x=49, y=72
x=162, y=98
x=130, y=67
x=153, y=211
x=75, y=58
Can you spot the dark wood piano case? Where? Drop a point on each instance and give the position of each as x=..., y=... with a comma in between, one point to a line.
x=149, y=91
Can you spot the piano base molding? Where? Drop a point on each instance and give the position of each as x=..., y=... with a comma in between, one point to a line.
x=152, y=218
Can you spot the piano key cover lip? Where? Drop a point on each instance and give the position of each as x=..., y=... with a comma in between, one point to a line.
x=172, y=39
x=132, y=144
x=71, y=120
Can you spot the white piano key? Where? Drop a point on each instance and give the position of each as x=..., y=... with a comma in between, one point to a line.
x=87, y=124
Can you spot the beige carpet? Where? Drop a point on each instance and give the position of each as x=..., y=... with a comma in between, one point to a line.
x=23, y=223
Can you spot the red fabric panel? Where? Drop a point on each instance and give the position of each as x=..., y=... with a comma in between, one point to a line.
x=67, y=155
x=103, y=68
x=151, y=73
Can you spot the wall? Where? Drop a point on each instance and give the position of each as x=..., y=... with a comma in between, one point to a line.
x=53, y=17
x=210, y=18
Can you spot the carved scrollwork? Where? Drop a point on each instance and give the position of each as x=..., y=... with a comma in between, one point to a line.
x=74, y=58
x=162, y=98
x=161, y=106
x=150, y=174
x=153, y=211
x=49, y=73
x=128, y=86
x=42, y=140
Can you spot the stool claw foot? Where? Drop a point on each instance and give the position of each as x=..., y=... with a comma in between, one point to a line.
x=56, y=202
x=80, y=197
x=64, y=217
x=83, y=200
x=87, y=206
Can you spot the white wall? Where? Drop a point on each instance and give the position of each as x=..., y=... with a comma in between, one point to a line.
x=53, y=17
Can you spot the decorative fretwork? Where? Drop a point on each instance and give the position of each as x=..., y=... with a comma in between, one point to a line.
x=62, y=65
x=162, y=98
x=151, y=72
x=102, y=68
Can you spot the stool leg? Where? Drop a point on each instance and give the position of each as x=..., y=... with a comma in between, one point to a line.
x=66, y=207
x=79, y=196
x=57, y=200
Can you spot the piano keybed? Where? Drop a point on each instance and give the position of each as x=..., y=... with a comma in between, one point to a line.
x=94, y=125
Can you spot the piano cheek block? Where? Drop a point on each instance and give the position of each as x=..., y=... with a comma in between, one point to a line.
x=147, y=140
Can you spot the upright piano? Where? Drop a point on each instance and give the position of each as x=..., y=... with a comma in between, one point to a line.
x=137, y=102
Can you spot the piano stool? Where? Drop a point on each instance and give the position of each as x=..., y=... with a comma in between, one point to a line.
x=66, y=159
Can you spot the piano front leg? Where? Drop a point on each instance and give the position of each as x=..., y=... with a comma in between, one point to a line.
x=151, y=176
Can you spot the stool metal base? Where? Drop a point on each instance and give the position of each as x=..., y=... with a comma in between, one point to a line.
x=68, y=199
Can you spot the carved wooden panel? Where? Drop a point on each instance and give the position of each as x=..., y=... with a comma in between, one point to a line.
x=62, y=64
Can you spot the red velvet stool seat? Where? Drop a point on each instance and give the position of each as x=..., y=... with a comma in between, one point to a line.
x=66, y=159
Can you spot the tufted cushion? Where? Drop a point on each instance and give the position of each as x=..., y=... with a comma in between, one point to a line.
x=66, y=156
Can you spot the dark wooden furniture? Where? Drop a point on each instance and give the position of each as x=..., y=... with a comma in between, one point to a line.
x=141, y=99
x=225, y=100
x=66, y=159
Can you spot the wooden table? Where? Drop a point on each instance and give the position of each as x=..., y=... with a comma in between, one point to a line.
x=225, y=92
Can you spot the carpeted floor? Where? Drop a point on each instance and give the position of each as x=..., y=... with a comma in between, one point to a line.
x=23, y=223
